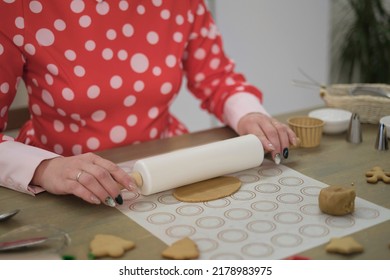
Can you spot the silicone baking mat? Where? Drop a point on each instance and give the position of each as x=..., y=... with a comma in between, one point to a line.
x=274, y=215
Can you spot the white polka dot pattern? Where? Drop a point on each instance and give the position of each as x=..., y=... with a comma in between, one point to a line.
x=109, y=70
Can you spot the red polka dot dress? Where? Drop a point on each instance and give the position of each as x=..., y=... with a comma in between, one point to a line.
x=101, y=74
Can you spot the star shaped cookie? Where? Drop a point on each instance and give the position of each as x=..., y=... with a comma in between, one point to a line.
x=184, y=249
x=344, y=245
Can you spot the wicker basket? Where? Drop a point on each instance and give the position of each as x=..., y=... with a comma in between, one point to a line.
x=307, y=129
x=370, y=108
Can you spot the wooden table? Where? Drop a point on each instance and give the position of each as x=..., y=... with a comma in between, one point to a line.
x=335, y=161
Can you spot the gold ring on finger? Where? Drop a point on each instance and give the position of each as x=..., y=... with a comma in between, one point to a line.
x=79, y=175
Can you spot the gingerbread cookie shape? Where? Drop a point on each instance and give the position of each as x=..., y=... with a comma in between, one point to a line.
x=183, y=249
x=344, y=245
x=376, y=174
x=109, y=245
x=337, y=200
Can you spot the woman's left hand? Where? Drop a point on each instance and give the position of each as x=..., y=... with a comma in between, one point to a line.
x=275, y=136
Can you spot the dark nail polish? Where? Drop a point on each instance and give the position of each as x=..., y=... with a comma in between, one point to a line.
x=119, y=199
x=285, y=152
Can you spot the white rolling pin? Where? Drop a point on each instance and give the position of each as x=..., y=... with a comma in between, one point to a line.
x=178, y=168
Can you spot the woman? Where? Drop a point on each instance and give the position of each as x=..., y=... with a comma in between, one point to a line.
x=101, y=74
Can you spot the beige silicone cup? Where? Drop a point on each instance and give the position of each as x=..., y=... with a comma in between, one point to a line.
x=307, y=129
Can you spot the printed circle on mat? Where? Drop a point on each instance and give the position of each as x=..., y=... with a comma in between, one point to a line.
x=267, y=188
x=264, y=206
x=226, y=256
x=269, y=171
x=127, y=195
x=243, y=195
x=167, y=199
x=288, y=218
x=210, y=222
x=310, y=209
x=219, y=203
x=238, y=214
x=311, y=190
x=161, y=218
x=365, y=213
x=143, y=206
x=340, y=222
x=286, y=240
x=290, y=181
x=257, y=250
x=180, y=231
x=289, y=198
x=314, y=230
x=189, y=210
x=206, y=245
x=248, y=178
x=261, y=226
x=232, y=235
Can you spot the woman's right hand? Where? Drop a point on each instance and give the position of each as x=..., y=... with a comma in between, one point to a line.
x=87, y=176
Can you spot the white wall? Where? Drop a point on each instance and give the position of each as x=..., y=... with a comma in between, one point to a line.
x=270, y=41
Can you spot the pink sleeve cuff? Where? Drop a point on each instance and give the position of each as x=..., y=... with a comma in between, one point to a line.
x=18, y=163
x=239, y=105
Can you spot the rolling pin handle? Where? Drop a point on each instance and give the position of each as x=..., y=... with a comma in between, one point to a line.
x=137, y=178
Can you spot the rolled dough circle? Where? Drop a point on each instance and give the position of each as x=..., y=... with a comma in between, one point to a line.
x=207, y=190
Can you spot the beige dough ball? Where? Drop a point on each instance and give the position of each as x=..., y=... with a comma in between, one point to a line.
x=337, y=200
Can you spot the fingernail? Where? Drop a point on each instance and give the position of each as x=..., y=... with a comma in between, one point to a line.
x=132, y=187
x=119, y=199
x=277, y=158
x=285, y=152
x=109, y=201
x=297, y=142
x=95, y=200
x=271, y=147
